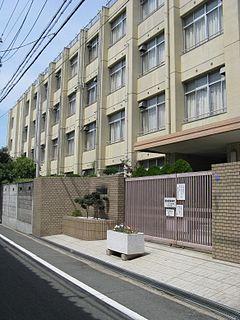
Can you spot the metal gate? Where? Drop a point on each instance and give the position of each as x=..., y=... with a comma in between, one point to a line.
x=187, y=223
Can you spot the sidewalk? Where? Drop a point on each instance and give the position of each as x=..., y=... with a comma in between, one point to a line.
x=191, y=271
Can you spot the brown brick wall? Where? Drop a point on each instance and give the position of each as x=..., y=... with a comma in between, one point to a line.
x=87, y=229
x=226, y=211
x=54, y=198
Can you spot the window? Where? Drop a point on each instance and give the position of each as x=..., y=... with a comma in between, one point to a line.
x=45, y=91
x=149, y=6
x=12, y=122
x=10, y=144
x=205, y=96
x=54, y=149
x=90, y=130
x=72, y=104
x=203, y=24
x=33, y=128
x=156, y=162
x=117, y=75
x=92, y=49
x=27, y=108
x=92, y=91
x=32, y=155
x=58, y=80
x=43, y=122
x=152, y=53
x=42, y=153
x=35, y=101
x=70, y=143
x=56, y=113
x=117, y=126
x=118, y=28
x=153, y=114
x=73, y=66
x=25, y=133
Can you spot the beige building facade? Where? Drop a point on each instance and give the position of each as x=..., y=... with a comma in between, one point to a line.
x=144, y=79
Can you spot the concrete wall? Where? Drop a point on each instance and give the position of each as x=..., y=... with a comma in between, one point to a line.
x=226, y=211
x=54, y=198
x=17, y=206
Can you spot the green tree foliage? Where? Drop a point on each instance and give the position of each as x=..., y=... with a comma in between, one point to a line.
x=23, y=168
x=140, y=171
x=181, y=166
x=5, y=166
x=94, y=200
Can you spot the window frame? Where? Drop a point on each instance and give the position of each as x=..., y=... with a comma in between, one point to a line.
x=56, y=111
x=158, y=5
x=73, y=65
x=113, y=122
x=119, y=66
x=94, y=43
x=120, y=20
x=70, y=147
x=90, y=133
x=72, y=103
x=58, y=80
x=91, y=88
x=54, y=153
x=207, y=86
x=204, y=16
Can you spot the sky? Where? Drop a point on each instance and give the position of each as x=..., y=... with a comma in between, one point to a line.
x=84, y=14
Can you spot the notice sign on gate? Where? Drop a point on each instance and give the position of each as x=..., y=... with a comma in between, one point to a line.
x=181, y=191
x=170, y=212
x=170, y=202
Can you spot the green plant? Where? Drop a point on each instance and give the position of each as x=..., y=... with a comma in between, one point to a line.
x=154, y=171
x=111, y=170
x=76, y=213
x=139, y=171
x=181, y=166
x=23, y=168
x=94, y=200
x=124, y=229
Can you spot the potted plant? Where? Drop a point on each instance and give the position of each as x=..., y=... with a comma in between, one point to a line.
x=124, y=240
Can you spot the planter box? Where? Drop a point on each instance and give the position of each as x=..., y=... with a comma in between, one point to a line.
x=124, y=243
x=86, y=229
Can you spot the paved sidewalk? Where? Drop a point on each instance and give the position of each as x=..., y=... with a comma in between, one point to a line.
x=191, y=271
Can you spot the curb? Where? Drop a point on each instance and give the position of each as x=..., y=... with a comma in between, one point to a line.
x=170, y=290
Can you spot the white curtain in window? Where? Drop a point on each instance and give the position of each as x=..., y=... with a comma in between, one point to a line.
x=152, y=58
x=215, y=97
x=213, y=23
x=161, y=116
x=160, y=53
x=189, y=37
x=191, y=105
x=202, y=102
x=152, y=117
x=224, y=94
x=200, y=31
x=145, y=121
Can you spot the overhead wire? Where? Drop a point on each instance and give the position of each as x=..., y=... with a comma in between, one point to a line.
x=19, y=29
x=33, y=49
x=1, y=5
x=10, y=18
x=29, y=32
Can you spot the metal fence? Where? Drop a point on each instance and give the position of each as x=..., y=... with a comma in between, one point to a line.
x=187, y=223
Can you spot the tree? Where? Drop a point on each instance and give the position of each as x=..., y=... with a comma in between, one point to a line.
x=23, y=168
x=4, y=156
x=5, y=166
x=94, y=200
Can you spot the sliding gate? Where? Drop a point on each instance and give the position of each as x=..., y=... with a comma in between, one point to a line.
x=176, y=208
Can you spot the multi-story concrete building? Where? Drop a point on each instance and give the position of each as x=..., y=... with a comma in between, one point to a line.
x=145, y=78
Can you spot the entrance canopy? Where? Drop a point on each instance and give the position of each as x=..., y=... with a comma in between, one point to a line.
x=208, y=140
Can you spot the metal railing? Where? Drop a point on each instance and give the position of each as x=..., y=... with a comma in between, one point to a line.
x=111, y=3
x=93, y=21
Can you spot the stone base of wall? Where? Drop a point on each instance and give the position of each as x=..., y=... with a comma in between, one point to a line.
x=87, y=229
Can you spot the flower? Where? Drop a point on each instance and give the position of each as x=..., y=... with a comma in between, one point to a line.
x=123, y=228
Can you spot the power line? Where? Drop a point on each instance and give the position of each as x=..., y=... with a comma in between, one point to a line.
x=21, y=44
x=32, y=51
x=1, y=4
x=25, y=45
x=20, y=28
x=10, y=18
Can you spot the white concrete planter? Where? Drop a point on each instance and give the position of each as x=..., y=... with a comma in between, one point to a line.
x=124, y=243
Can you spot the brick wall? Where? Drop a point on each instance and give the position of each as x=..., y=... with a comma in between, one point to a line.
x=54, y=198
x=226, y=211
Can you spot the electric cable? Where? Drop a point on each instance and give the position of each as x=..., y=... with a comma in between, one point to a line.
x=1, y=5
x=10, y=18
x=33, y=47
x=29, y=32
x=20, y=28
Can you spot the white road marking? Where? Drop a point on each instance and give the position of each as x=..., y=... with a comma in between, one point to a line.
x=128, y=312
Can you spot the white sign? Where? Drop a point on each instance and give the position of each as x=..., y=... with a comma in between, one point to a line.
x=169, y=202
x=170, y=212
x=181, y=191
x=179, y=211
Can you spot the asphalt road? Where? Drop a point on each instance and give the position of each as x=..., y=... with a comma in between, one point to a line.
x=28, y=291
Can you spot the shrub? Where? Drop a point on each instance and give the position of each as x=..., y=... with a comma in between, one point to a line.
x=76, y=213
x=154, y=171
x=139, y=172
x=181, y=166
x=94, y=200
x=123, y=228
x=111, y=170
